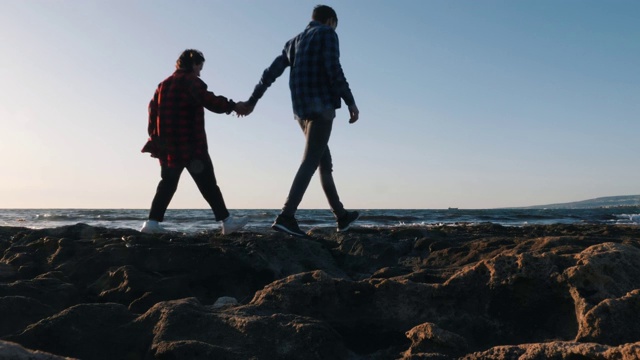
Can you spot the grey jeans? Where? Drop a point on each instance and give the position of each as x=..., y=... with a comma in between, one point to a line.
x=316, y=156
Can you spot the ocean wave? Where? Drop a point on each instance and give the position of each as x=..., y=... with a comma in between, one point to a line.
x=627, y=219
x=194, y=220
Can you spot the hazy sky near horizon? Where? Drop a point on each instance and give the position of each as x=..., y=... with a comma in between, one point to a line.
x=469, y=104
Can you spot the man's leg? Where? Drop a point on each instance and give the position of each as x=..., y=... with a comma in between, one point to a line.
x=329, y=186
x=165, y=191
x=202, y=173
x=317, y=133
x=345, y=218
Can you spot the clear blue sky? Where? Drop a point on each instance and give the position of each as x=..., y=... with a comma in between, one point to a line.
x=470, y=104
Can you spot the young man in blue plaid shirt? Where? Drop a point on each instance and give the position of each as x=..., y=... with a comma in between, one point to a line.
x=317, y=85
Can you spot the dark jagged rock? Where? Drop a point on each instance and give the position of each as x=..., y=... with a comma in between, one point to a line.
x=13, y=351
x=433, y=292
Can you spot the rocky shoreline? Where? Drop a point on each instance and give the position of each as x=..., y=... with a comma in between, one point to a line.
x=437, y=292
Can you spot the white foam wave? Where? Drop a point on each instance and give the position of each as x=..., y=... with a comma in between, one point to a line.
x=628, y=219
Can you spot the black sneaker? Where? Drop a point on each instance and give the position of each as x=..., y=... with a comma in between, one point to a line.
x=345, y=222
x=289, y=225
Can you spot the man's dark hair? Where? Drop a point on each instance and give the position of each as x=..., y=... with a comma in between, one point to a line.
x=322, y=13
x=188, y=58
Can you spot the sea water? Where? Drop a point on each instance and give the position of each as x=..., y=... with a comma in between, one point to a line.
x=199, y=220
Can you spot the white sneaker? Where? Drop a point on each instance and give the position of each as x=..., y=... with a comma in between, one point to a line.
x=152, y=227
x=233, y=224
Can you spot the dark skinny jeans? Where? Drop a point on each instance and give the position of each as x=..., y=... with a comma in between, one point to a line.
x=316, y=156
x=202, y=173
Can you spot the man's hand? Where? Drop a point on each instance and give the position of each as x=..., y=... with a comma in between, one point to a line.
x=354, y=113
x=243, y=108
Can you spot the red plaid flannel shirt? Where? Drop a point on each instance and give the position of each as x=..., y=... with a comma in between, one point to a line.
x=176, y=119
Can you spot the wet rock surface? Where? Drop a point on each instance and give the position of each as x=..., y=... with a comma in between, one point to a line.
x=440, y=292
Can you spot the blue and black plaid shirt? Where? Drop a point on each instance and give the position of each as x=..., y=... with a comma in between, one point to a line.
x=316, y=78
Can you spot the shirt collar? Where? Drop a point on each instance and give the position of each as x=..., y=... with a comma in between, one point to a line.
x=314, y=23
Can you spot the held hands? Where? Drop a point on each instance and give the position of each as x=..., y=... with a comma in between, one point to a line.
x=243, y=108
x=354, y=113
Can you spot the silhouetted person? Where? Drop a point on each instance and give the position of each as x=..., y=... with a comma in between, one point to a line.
x=317, y=85
x=177, y=138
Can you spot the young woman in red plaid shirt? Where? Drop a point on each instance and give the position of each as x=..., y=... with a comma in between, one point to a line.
x=178, y=139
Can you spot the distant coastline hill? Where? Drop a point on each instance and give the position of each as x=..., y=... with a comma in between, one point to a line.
x=602, y=202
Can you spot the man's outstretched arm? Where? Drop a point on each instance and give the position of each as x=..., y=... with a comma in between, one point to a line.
x=268, y=77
